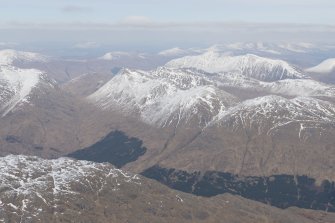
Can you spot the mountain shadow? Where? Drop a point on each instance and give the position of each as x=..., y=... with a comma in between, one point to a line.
x=282, y=191
x=115, y=148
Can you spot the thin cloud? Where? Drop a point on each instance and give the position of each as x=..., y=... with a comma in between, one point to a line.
x=136, y=21
x=8, y=44
x=76, y=9
x=136, y=30
x=144, y=23
x=86, y=45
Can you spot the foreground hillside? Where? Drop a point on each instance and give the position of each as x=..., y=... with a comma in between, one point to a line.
x=64, y=190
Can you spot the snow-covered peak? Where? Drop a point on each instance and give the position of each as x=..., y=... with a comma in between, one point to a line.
x=16, y=83
x=113, y=55
x=163, y=96
x=249, y=65
x=325, y=66
x=9, y=56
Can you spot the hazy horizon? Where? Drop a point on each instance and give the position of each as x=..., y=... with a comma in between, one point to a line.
x=153, y=25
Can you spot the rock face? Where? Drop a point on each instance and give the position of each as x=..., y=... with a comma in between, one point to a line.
x=63, y=190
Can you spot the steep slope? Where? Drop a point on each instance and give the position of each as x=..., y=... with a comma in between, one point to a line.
x=86, y=84
x=36, y=116
x=249, y=65
x=265, y=136
x=281, y=110
x=63, y=190
x=16, y=84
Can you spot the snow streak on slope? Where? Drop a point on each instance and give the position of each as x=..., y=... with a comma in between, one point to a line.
x=164, y=96
x=271, y=112
x=249, y=65
x=326, y=66
x=31, y=179
x=16, y=84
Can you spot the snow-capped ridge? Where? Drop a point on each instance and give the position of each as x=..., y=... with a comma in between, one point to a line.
x=163, y=96
x=326, y=66
x=249, y=65
x=115, y=55
x=16, y=83
x=9, y=56
x=270, y=113
x=176, y=51
x=251, y=46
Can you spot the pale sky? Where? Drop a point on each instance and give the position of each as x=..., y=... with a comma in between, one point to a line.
x=108, y=11
x=170, y=22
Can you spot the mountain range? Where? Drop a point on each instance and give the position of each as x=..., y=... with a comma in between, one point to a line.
x=236, y=122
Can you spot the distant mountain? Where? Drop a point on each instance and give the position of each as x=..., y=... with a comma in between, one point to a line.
x=249, y=65
x=9, y=56
x=326, y=66
x=274, y=48
x=173, y=52
x=63, y=190
x=117, y=55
